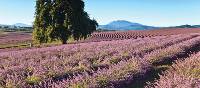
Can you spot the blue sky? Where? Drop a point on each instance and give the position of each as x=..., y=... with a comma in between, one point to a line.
x=148, y=12
x=17, y=11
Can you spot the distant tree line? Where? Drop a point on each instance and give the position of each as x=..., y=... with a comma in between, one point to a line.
x=104, y=30
x=61, y=19
x=15, y=28
x=187, y=26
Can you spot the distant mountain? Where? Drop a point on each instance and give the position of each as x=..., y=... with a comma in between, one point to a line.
x=17, y=25
x=22, y=25
x=125, y=25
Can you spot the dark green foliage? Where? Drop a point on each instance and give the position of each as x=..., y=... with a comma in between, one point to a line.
x=42, y=21
x=186, y=26
x=61, y=19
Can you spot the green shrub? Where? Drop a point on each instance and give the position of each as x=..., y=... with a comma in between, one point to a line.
x=33, y=80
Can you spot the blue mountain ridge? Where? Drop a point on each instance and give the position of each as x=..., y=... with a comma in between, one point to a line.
x=125, y=25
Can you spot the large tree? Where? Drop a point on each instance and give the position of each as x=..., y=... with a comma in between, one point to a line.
x=61, y=19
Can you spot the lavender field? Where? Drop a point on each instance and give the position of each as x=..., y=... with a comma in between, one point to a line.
x=14, y=37
x=104, y=64
x=99, y=44
x=10, y=41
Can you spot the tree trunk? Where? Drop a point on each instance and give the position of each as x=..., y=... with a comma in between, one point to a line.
x=64, y=42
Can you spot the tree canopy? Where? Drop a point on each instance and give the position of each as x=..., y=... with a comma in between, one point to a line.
x=61, y=19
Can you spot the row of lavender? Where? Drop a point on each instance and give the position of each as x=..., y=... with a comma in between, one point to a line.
x=116, y=35
x=183, y=74
x=88, y=64
x=126, y=71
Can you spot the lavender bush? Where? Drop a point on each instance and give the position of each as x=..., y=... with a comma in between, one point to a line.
x=183, y=74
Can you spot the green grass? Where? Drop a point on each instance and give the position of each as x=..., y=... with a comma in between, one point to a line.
x=27, y=45
x=23, y=45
